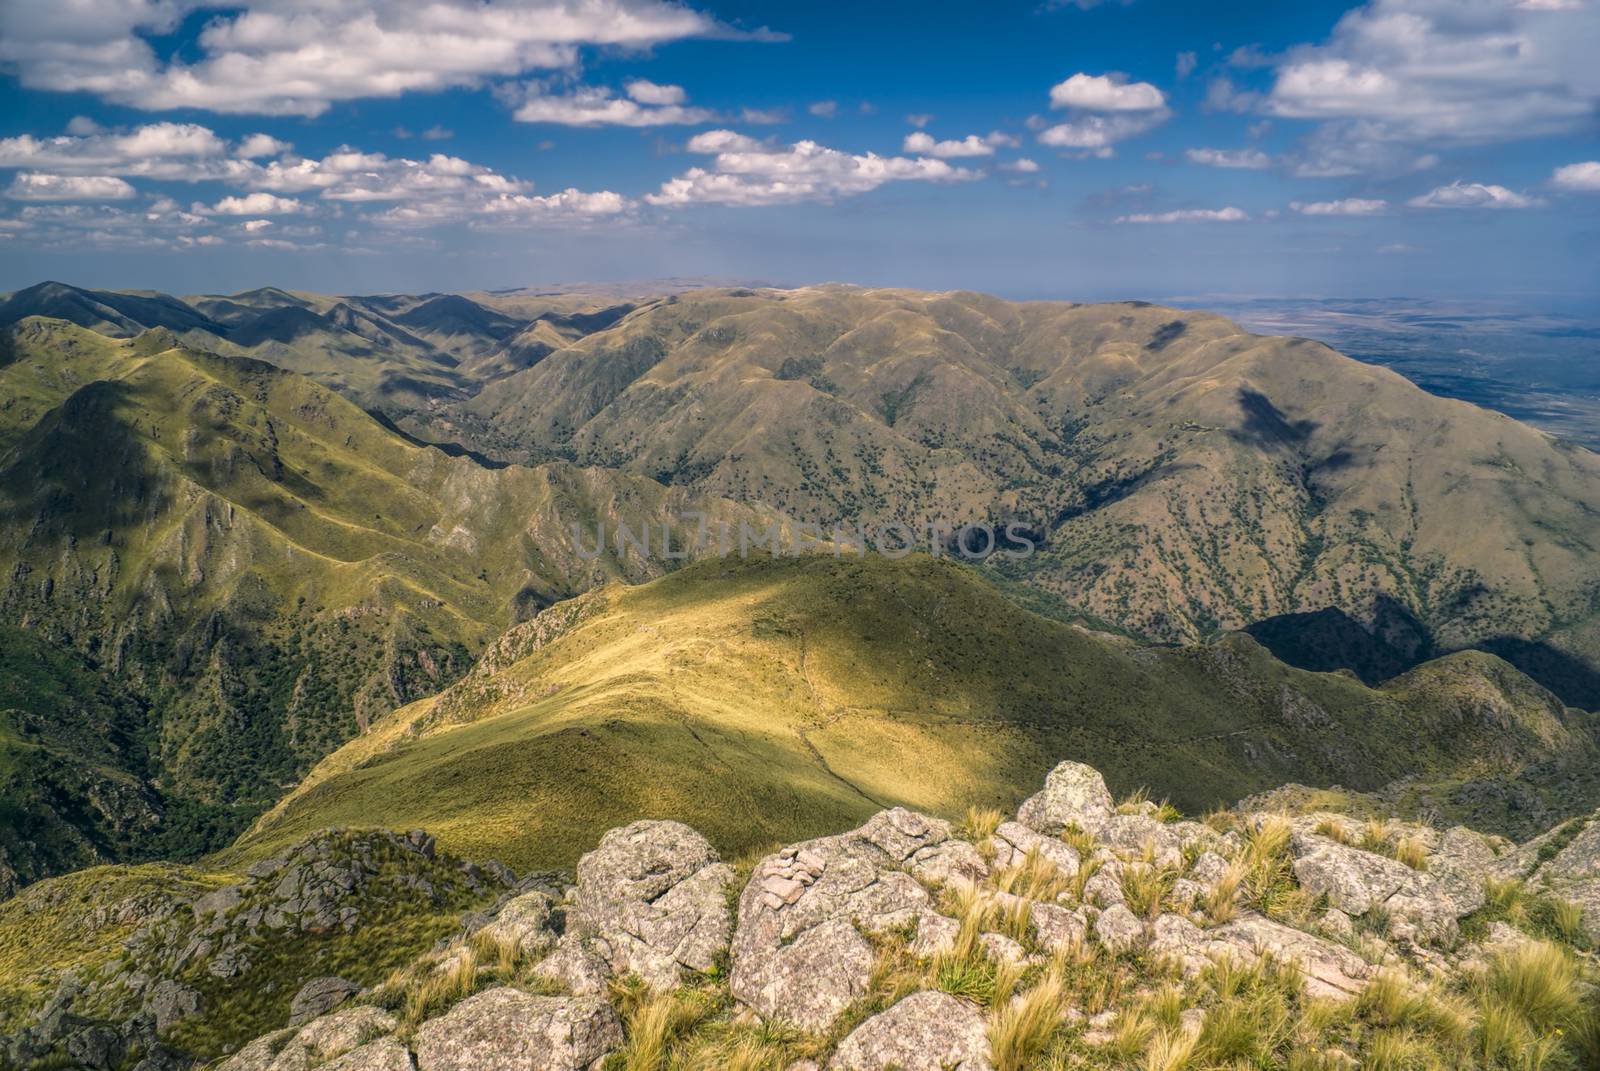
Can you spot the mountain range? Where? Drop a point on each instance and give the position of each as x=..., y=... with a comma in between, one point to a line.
x=261, y=541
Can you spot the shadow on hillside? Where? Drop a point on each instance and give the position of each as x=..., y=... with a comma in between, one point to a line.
x=1266, y=425
x=83, y=473
x=1329, y=639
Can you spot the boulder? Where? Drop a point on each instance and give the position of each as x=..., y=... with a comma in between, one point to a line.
x=1055, y=927
x=1074, y=794
x=935, y=934
x=923, y=1032
x=653, y=899
x=386, y=1054
x=319, y=997
x=1118, y=928
x=259, y=1054
x=505, y=1029
x=797, y=952
x=1012, y=842
x=336, y=1034
x=171, y=1002
x=1354, y=881
x=575, y=966
x=529, y=922
x=1131, y=834
x=1329, y=970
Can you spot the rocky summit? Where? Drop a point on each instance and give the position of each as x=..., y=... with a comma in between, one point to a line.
x=1083, y=932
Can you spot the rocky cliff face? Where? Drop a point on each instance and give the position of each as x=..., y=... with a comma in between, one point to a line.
x=1081, y=933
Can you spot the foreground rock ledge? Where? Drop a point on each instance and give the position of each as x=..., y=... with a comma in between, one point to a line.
x=654, y=908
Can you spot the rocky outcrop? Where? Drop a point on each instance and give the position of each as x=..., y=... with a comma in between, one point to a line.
x=653, y=900
x=529, y=980
x=319, y=997
x=1074, y=795
x=508, y=1030
x=923, y=1032
x=799, y=951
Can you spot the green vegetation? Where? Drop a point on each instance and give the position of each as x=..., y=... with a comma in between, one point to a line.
x=771, y=700
x=251, y=569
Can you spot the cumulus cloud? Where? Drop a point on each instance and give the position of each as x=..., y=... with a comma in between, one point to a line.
x=1106, y=93
x=1108, y=109
x=1189, y=215
x=258, y=145
x=1098, y=131
x=971, y=145
x=1584, y=177
x=157, y=150
x=1349, y=206
x=35, y=186
x=1247, y=159
x=748, y=172
x=646, y=104
x=1425, y=70
x=256, y=204
x=296, y=57
x=1021, y=164
x=1471, y=195
x=823, y=109
x=256, y=226
x=648, y=92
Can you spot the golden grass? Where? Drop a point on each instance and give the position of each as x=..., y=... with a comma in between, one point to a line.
x=1020, y=1030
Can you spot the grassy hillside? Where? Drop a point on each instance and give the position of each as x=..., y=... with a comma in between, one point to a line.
x=1186, y=476
x=774, y=699
x=264, y=566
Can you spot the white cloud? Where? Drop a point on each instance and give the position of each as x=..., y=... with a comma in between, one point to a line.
x=1584, y=177
x=1471, y=195
x=1106, y=93
x=35, y=186
x=715, y=141
x=566, y=206
x=1098, y=131
x=1189, y=215
x=256, y=226
x=1133, y=107
x=748, y=172
x=1022, y=164
x=257, y=146
x=919, y=119
x=647, y=92
x=646, y=105
x=256, y=204
x=178, y=151
x=296, y=57
x=82, y=126
x=1349, y=206
x=1437, y=71
x=1186, y=63
x=1246, y=159
x=971, y=145
x=823, y=109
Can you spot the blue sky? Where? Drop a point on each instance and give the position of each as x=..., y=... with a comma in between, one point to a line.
x=1075, y=149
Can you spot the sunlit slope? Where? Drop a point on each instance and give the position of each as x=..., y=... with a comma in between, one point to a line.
x=265, y=565
x=776, y=698
x=1184, y=474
